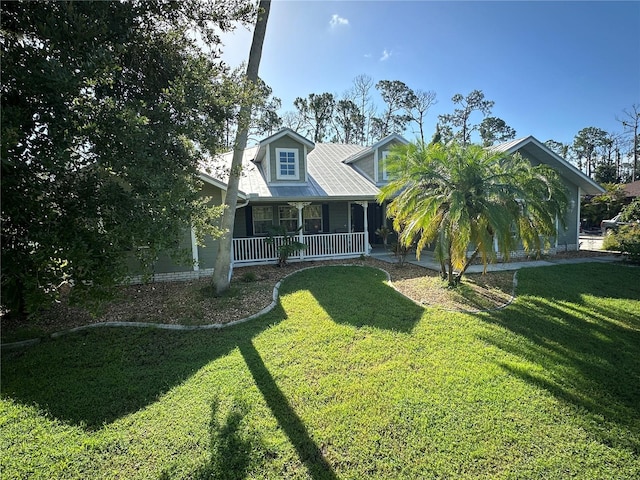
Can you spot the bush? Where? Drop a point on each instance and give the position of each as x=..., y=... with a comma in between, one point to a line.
x=631, y=212
x=248, y=277
x=610, y=241
x=629, y=240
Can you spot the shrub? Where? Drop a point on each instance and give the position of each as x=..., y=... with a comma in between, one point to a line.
x=629, y=240
x=610, y=241
x=631, y=212
x=248, y=277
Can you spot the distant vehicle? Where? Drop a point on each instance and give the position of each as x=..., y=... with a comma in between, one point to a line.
x=612, y=225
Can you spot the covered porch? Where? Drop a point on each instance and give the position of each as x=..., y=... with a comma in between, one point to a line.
x=256, y=250
x=330, y=230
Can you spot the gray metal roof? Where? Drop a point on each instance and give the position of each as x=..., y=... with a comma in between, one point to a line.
x=331, y=176
x=328, y=177
x=533, y=149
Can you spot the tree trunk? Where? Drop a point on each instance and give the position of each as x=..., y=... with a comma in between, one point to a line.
x=467, y=264
x=222, y=269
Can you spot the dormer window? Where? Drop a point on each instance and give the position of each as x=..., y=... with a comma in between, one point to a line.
x=385, y=175
x=287, y=168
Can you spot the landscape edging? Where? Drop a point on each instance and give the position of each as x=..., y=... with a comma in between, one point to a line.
x=218, y=326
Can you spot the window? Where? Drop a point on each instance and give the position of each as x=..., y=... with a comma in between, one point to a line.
x=287, y=167
x=385, y=154
x=262, y=220
x=288, y=217
x=312, y=215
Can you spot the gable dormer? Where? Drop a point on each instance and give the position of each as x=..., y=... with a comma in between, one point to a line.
x=283, y=157
x=372, y=161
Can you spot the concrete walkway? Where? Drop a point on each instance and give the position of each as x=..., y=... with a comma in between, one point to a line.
x=427, y=260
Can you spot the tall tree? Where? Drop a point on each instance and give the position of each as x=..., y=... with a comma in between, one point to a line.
x=223, y=266
x=107, y=108
x=396, y=95
x=585, y=146
x=630, y=120
x=317, y=112
x=264, y=115
x=360, y=94
x=561, y=149
x=349, y=121
x=416, y=107
x=455, y=196
x=460, y=119
x=494, y=129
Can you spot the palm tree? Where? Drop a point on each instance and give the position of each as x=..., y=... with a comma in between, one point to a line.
x=455, y=197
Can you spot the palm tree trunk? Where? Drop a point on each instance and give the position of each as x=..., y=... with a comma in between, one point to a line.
x=222, y=269
x=473, y=256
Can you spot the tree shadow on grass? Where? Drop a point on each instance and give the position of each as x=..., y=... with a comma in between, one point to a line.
x=358, y=296
x=96, y=376
x=308, y=451
x=589, y=353
x=230, y=451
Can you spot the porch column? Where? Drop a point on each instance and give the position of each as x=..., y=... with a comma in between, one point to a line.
x=365, y=206
x=300, y=206
x=194, y=250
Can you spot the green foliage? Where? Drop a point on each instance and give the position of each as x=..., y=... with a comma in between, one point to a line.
x=625, y=240
x=494, y=129
x=249, y=277
x=107, y=108
x=453, y=196
x=286, y=243
x=610, y=242
x=397, y=96
x=631, y=212
x=456, y=126
x=601, y=207
x=330, y=385
x=585, y=146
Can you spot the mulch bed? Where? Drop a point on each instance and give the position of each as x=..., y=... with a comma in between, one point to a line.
x=194, y=303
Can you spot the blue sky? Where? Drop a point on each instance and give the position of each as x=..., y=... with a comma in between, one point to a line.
x=552, y=68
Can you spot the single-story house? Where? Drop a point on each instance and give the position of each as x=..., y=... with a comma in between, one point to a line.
x=330, y=190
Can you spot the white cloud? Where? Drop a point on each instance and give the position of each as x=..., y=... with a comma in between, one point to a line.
x=367, y=55
x=385, y=55
x=337, y=20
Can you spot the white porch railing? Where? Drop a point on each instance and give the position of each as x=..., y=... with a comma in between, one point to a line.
x=255, y=250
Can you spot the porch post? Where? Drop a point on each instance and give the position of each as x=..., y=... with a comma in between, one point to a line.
x=365, y=206
x=300, y=206
x=194, y=250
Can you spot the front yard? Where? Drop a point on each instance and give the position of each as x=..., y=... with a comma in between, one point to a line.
x=346, y=378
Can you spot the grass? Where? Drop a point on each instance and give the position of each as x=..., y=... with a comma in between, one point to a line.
x=345, y=379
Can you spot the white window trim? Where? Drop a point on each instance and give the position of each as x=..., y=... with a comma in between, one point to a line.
x=385, y=174
x=296, y=175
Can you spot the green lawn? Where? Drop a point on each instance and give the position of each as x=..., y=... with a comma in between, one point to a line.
x=346, y=379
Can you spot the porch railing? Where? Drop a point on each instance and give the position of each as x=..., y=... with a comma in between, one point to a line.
x=255, y=250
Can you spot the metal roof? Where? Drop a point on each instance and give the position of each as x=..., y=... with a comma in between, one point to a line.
x=327, y=176
x=331, y=175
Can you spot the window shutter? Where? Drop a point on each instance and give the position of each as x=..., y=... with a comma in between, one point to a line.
x=249, y=218
x=325, y=217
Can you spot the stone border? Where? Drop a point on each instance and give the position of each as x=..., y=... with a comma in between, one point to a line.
x=219, y=326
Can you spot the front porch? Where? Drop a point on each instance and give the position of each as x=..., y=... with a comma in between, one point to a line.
x=256, y=250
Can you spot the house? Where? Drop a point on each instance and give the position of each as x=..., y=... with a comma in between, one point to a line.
x=330, y=190
x=632, y=190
